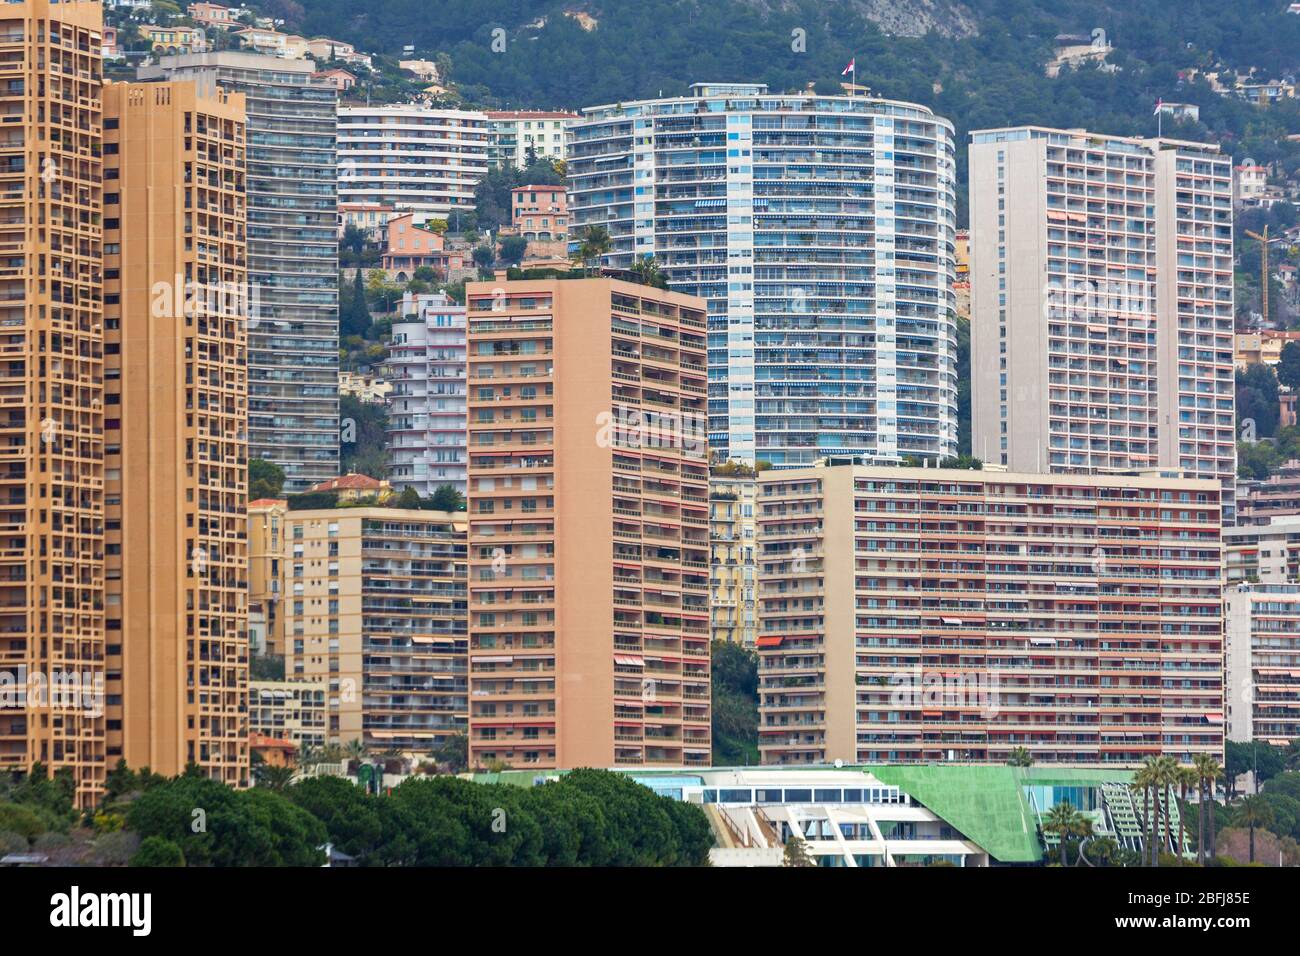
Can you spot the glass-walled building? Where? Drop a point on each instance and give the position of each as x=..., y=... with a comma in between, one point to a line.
x=820, y=230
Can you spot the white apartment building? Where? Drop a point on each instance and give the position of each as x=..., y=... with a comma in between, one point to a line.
x=515, y=136
x=426, y=375
x=821, y=231
x=1263, y=663
x=411, y=157
x=1102, y=304
x=1263, y=554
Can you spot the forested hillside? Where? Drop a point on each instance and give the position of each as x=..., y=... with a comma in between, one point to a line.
x=980, y=63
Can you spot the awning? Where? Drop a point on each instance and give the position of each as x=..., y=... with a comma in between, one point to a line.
x=1214, y=718
x=628, y=660
x=492, y=660
x=770, y=641
x=952, y=620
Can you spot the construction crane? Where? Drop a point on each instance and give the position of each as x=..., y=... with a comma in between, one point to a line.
x=1264, y=240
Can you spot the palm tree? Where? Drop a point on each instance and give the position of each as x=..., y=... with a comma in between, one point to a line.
x=1187, y=779
x=646, y=268
x=1020, y=757
x=1064, y=821
x=1252, y=813
x=594, y=244
x=1167, y=774
x=1145, y=778
x=274, y=778
x=355, y=749
x=1208, y=770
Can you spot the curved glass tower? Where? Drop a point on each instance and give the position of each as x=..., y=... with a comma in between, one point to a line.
x=821, y=231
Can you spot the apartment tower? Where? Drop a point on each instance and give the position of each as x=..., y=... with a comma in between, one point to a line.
x=1263, y=663
x=176, y=452
x=588, y=525
x=926, y=615
x=1102, y=304
x=52, y=613
x=374, y=612
x=412, y=157
x=820, y=232
x=426, y=418
x=293, y=339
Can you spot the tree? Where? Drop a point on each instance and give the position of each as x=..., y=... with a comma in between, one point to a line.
x=1250, y=756
x=1145, y=779
x=1187, y=780
x=158, y=852
x=1254, y=812
x=446, y=498
x=483, y=257
x=273, y=778
x=513, y=249
x=1066, y=822
x=1020, y=757
x=1207, y=771
x=594, y=243
x=647, y=272
x=265, y=479
x=354, y=314
x=734, y=680
x=1257, y=402
x=454, y=752
x=1288, y=366
x=796, y=852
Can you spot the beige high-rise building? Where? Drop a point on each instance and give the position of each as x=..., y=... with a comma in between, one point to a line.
x=176, y=453
x=52, y=611
x=1263, y=663
x=266, y=553
x=374, y=609
x=914, y=615
x=588, y=525
x=1102, y=304
x=733, y=615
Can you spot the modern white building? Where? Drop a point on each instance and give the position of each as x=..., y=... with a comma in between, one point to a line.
x=1264, y=553
x=1263, y=663
x=426, y=374
x=1102, y=304
x=821, y=232
x=516, y=137
x=411, y=157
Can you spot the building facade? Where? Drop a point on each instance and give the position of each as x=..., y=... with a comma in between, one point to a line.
x=1263, y=663
x=412, y=157
x=1102, y=304
x=518, y=137
x=820, y=232
x=293, y=341
x=426, y=371
x=588, y=525
x=289, y=710
x=176, y=452
x=266, y=554
x=1277, y=496
x=374, y=610
x=733, y=577
x=52, y=586
x=1263, y=553
x=928, y=615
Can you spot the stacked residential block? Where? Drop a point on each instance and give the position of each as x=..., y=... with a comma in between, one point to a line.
x=374, y=610
x=588, y=525
x=1263, y=662
x=1102, y=304
x=52, y=471
x=820, y=231
x=733, y=613
x=293, y=340
x=176, y=417
x=917, y=615
x=426, y=417
x=412, y=157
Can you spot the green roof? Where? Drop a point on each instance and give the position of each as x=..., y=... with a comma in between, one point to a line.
x=988, y=803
